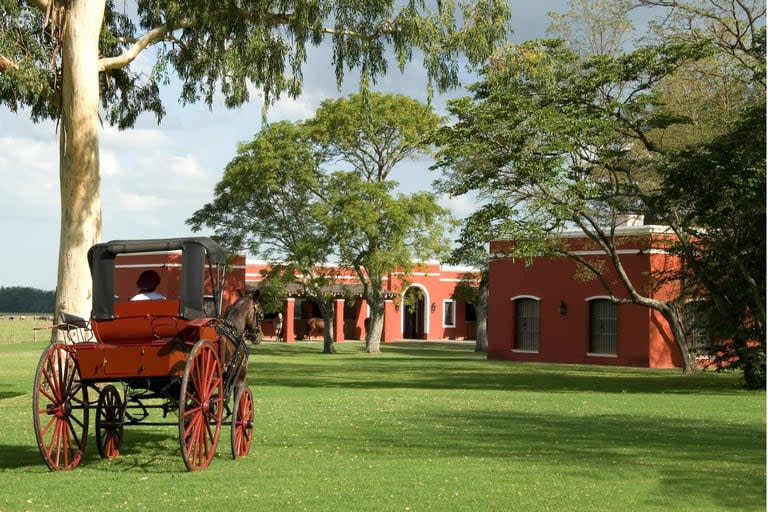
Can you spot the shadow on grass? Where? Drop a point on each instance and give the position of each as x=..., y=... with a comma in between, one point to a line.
x=448, y=369
x=15, y=457
x=142, y=451
x=723, y=463
x=7, y=393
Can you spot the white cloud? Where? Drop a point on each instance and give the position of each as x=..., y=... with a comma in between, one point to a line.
x=461, y=206
x=186, y=166
x=109, y=163
x=131, y=202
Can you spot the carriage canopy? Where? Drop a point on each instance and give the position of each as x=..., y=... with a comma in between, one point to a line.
x=197, y=254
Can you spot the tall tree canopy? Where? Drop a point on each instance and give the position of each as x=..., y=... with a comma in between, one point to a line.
x=377, y=232
x=288, y=196
x=67, y=59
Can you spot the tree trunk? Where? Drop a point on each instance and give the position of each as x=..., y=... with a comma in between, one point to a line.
x=481, y=320
x=672, y=317
x=329, y=346
x=373, y=335
x=79, y=155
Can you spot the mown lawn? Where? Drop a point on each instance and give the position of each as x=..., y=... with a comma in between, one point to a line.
x=422, y=426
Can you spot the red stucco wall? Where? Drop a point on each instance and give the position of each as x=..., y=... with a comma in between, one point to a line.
x=436, y=282
x=643, y=338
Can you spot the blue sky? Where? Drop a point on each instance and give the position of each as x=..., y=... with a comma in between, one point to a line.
x=154, y=177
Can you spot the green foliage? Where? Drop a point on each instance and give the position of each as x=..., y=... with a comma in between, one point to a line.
x=26, y=79
x=425, y=426
x=373, y=133
x=594, y=27
x=231, y=49
x=266, y=201
x=548, y=145
x=718, y=191
x=378, y=232
x=555, y=138
x=275, y=200
x=25, y=299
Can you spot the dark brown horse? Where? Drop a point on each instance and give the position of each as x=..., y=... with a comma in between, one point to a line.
x=240, y=322
x=315, y=325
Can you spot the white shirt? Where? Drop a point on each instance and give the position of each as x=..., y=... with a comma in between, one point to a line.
x=148, y=296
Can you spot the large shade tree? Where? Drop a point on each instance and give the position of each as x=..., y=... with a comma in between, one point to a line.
x=378, y=233
x=713, y=184
x=555, y=139
x=270, y=203
x=550, y=149
x=71, y=60
x=284, y=198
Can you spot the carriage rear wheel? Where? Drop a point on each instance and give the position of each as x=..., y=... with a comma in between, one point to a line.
x=242, y=422
x=109, y=422
x=200, y=406
x=60, y=408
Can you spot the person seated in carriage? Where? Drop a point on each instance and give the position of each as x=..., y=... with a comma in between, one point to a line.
x=147, y=283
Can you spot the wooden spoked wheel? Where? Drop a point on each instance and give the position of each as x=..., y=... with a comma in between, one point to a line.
x=242, y=422
x=200, y=406
x=60, y=408
x=109, y=422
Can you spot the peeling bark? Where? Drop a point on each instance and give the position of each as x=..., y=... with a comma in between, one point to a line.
x=79, y=155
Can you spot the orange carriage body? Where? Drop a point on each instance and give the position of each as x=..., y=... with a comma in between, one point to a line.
x=144, y=339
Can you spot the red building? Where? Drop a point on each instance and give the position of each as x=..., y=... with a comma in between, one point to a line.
x=551, y=310
x=421, y=306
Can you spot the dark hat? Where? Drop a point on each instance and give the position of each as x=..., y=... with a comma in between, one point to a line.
x=148, y=280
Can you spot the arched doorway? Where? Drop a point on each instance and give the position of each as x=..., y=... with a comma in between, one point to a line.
x=414, y=313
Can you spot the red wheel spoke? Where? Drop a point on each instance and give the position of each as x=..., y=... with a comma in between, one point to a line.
x=60, y=409
x=200, y=418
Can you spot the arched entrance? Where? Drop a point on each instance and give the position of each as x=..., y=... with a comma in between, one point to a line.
x=414, y=313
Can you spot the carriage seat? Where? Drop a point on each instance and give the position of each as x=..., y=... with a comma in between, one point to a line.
x=141, y=321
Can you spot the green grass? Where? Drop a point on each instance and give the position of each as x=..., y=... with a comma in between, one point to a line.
x=21, y=331
x=421, y=427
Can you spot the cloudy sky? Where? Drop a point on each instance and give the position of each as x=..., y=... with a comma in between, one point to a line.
x=154, y=177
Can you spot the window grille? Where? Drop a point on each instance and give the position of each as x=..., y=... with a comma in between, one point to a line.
x=527, y=325
x=449, y=313
x=603, y=326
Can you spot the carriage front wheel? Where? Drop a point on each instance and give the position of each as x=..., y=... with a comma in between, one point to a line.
x=60, y=408
x=242, y=422
x=109, y=422
x=200, y=406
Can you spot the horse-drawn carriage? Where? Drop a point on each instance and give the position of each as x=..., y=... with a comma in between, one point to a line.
x=173, y=356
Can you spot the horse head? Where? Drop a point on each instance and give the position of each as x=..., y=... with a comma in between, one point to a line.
x=254, y=319
x=240, y=322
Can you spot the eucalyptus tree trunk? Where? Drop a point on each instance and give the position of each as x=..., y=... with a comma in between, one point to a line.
x=79, y=155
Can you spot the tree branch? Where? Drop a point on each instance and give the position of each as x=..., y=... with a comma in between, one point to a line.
x=40, y=4
x=6, y=63
x=153, y=36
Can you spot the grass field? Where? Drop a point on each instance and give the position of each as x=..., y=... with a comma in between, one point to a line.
x=422, y=426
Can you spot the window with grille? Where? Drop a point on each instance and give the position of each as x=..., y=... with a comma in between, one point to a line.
x=696, y=324
x=527, y=325
x=603, y=326
x=449, y=313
